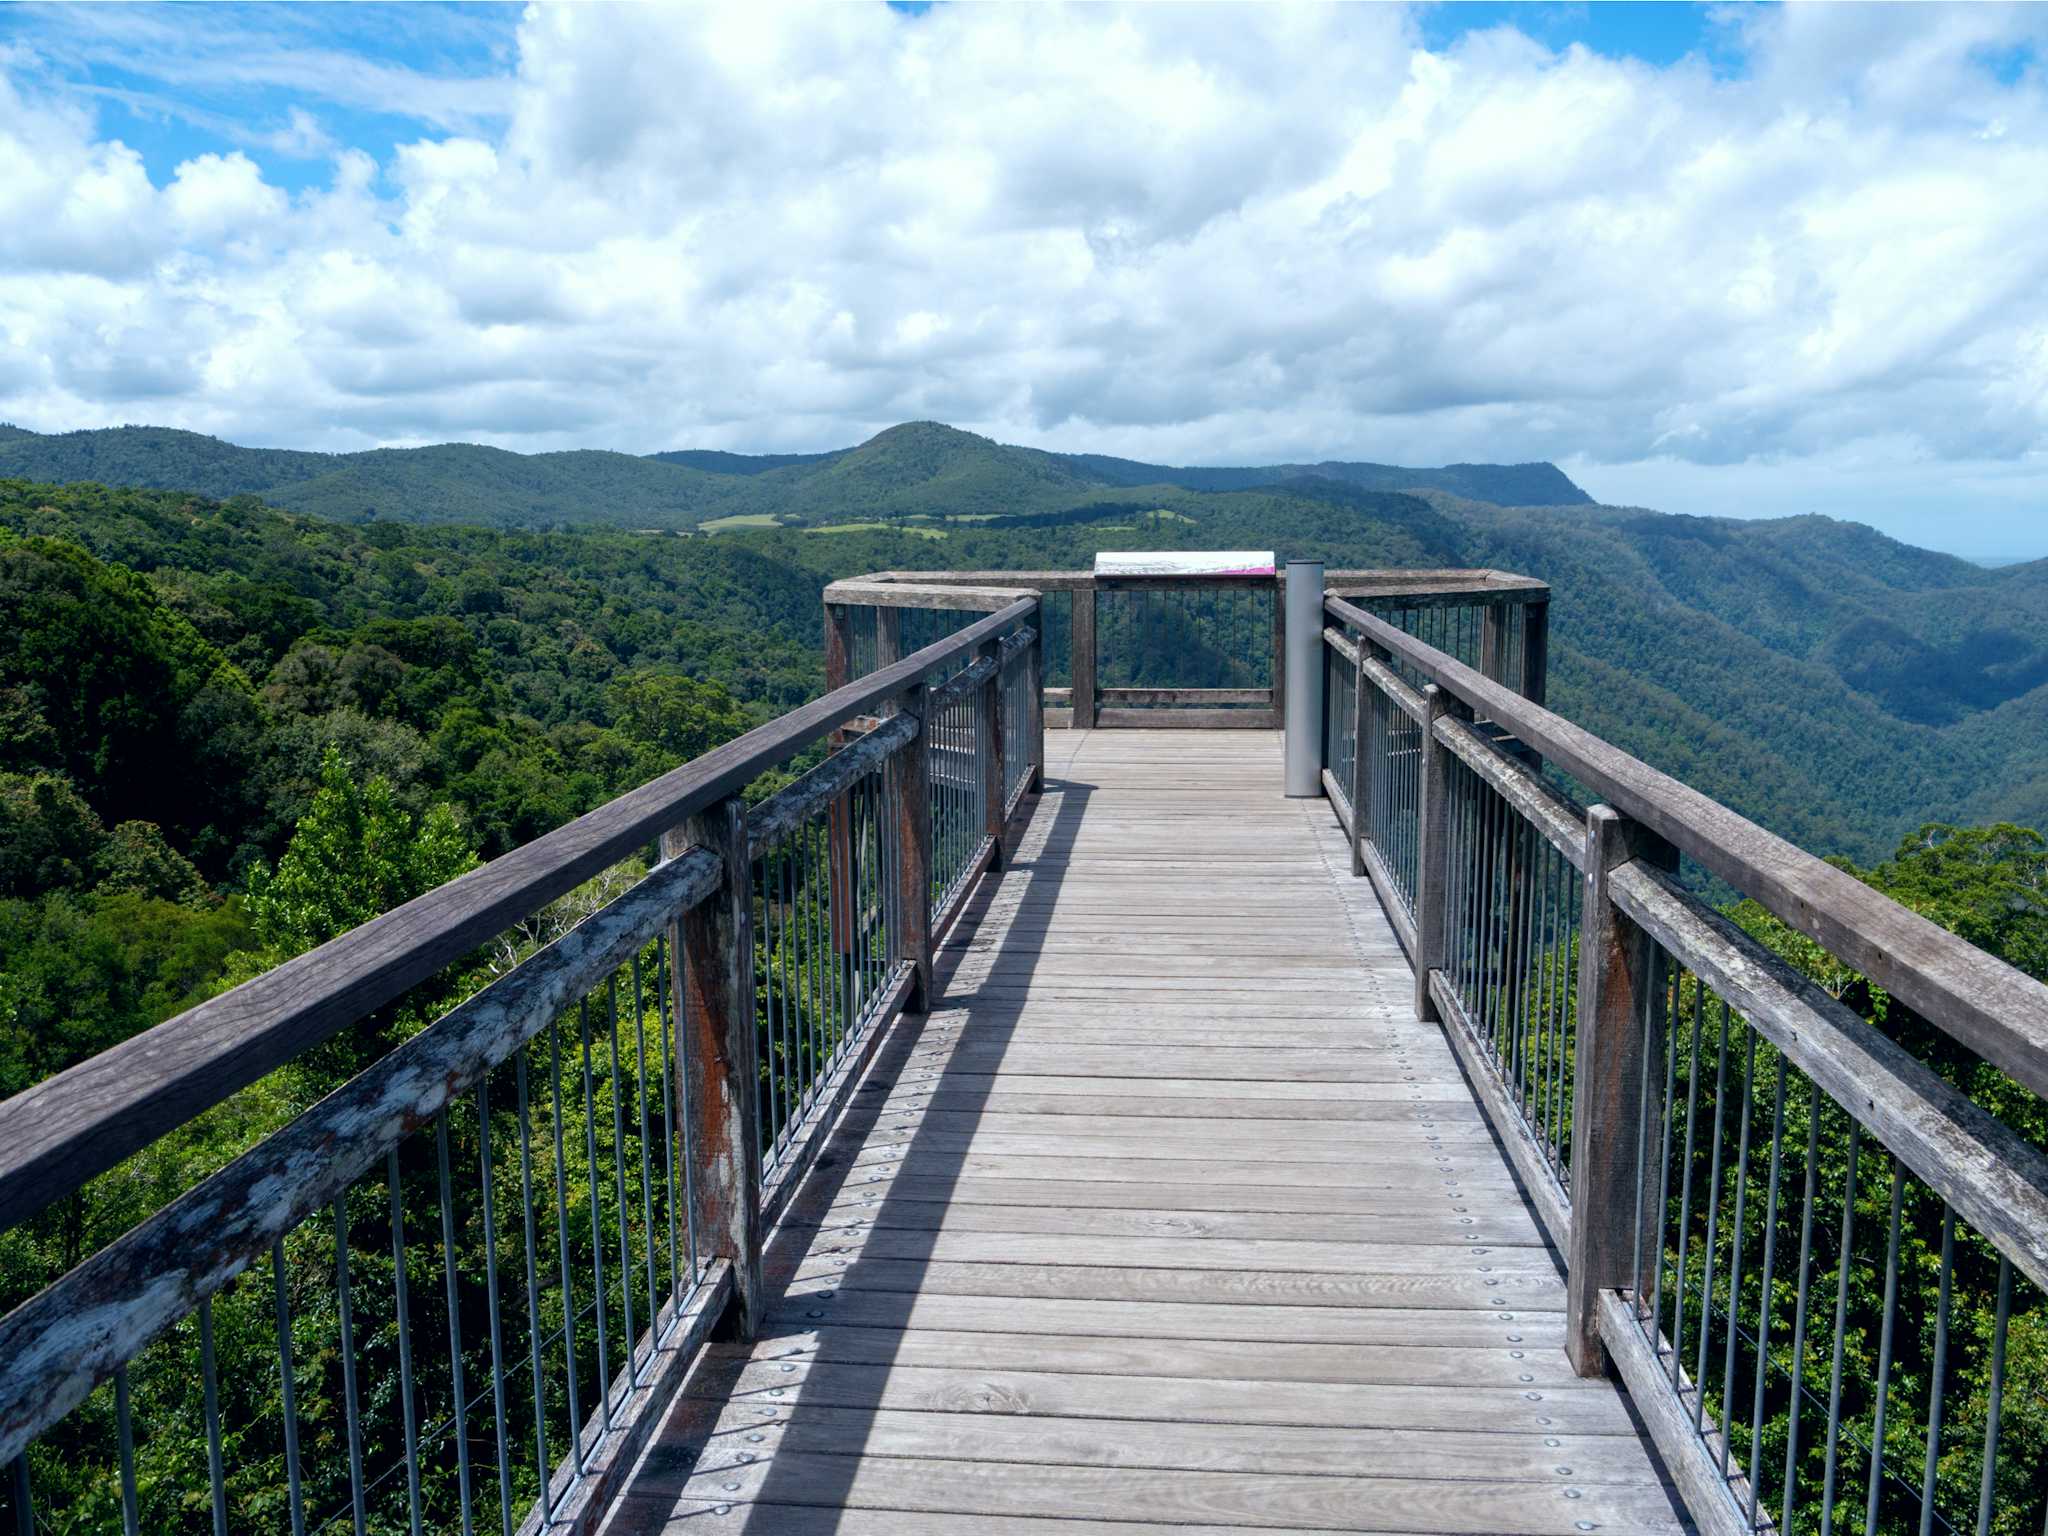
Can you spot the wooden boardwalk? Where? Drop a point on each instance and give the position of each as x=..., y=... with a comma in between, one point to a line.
x=1169, y=1217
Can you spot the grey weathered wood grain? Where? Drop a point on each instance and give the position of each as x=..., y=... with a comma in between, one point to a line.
x=58, y=1345
x=1169, y=1165
x=60, y=1133
x=906, y=796
x=1534, y=798
x=790, y=807
x=1189, y=718
x=1186, y=696
x=1618, y=1032
x=1996, y=1010
x=1082, y=698
x=1718, y=1504
x=1997, y=1182
x=717, y=1064
x=1531, y=1159
x=1432, y=864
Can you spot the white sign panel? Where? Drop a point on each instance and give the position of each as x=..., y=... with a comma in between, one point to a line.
x=1185, y=562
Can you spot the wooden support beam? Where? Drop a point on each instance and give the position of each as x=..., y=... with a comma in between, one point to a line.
x=719, y=1069
x=994, y=798
x=1535, y=651
x=906, y=790
x=1493, y=641
x=838, y=646
x=1620, y=1027
x=1361, y=767
x=1034, y=676
x=1431, y=863
x=1278, y=588
x=1084, y=659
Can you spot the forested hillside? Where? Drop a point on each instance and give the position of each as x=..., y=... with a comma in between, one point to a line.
x=1833, y=684
x=917, y=470
x=179, y=675
x=178, y=669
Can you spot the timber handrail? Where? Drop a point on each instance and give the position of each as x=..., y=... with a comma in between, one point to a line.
x=763, y=958
x=1574, y=975
x=60, y=1133
x=1999, y=1012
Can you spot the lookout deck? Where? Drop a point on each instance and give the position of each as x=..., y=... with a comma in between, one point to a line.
x=1169, y=1215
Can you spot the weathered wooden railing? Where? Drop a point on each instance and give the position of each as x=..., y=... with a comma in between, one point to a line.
x=1183, y=650
x=1819, y=1267
x=459, y=1289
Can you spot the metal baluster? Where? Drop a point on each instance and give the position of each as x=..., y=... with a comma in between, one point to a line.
x=290, y=1391
x=24, y=1500
x=1735, y=1254
x=1570, y=897
x=1799, y=1307
x=686, y=1129
x=401, y=1302
x=540, y=1391
x=562, y=1243
x=350, y=1411
x=1936, y=1402
x=668, y=1108
x=1884, y=1350
x=1764, y=1295
x=1831, y=1462
x=619, y=1172
x=124, y=1430
x=646, y=1169
x=1988, y=1488
x=457, y=1387
x=819, y=936
x=604, y=1369
x=483, y=1141
x=1635, y=1272
x=1660, y=995
x=787, y=961
x=1692, y=1099
x=1541, y=952
x=1699, y=1375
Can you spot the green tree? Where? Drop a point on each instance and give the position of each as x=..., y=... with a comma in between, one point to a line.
x=683, y=716
x=357, y=853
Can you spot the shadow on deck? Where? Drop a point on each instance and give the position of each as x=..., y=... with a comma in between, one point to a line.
x=1170, y=1215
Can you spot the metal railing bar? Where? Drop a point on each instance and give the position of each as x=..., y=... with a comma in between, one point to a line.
x=401, y=1304
x=78, y=1123
x=1995, y=1179
x=458, y=1388
x=144, y=1281
x=1998, y=1011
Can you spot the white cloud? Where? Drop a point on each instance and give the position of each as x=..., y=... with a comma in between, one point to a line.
x=1187, y=234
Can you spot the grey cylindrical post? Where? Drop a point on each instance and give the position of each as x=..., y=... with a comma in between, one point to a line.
x=1304, y=717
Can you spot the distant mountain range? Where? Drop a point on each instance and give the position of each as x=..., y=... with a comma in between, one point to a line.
x=1836, y=684
x=919, y=469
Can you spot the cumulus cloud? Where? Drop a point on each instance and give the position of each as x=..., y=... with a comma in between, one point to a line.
x=1185, y=234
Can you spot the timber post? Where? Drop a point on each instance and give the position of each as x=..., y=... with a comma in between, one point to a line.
x=1535, y=679
x=1362, y=695
x=1620, y=1029
x=1083, y=718
x=1431, y=863
x=906, y=787
x=989, y=734
x=1035, y=702
x=1493, y=641
x=718, y=1068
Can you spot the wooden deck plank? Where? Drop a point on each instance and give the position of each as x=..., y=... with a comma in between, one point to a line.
x=1170, y=1217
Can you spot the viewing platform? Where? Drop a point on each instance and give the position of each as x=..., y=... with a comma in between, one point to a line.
x=1169, y=1214
x=1312, y=1087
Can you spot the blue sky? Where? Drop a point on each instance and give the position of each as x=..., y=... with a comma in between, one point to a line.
x=1751, y=260
x=215, y=94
